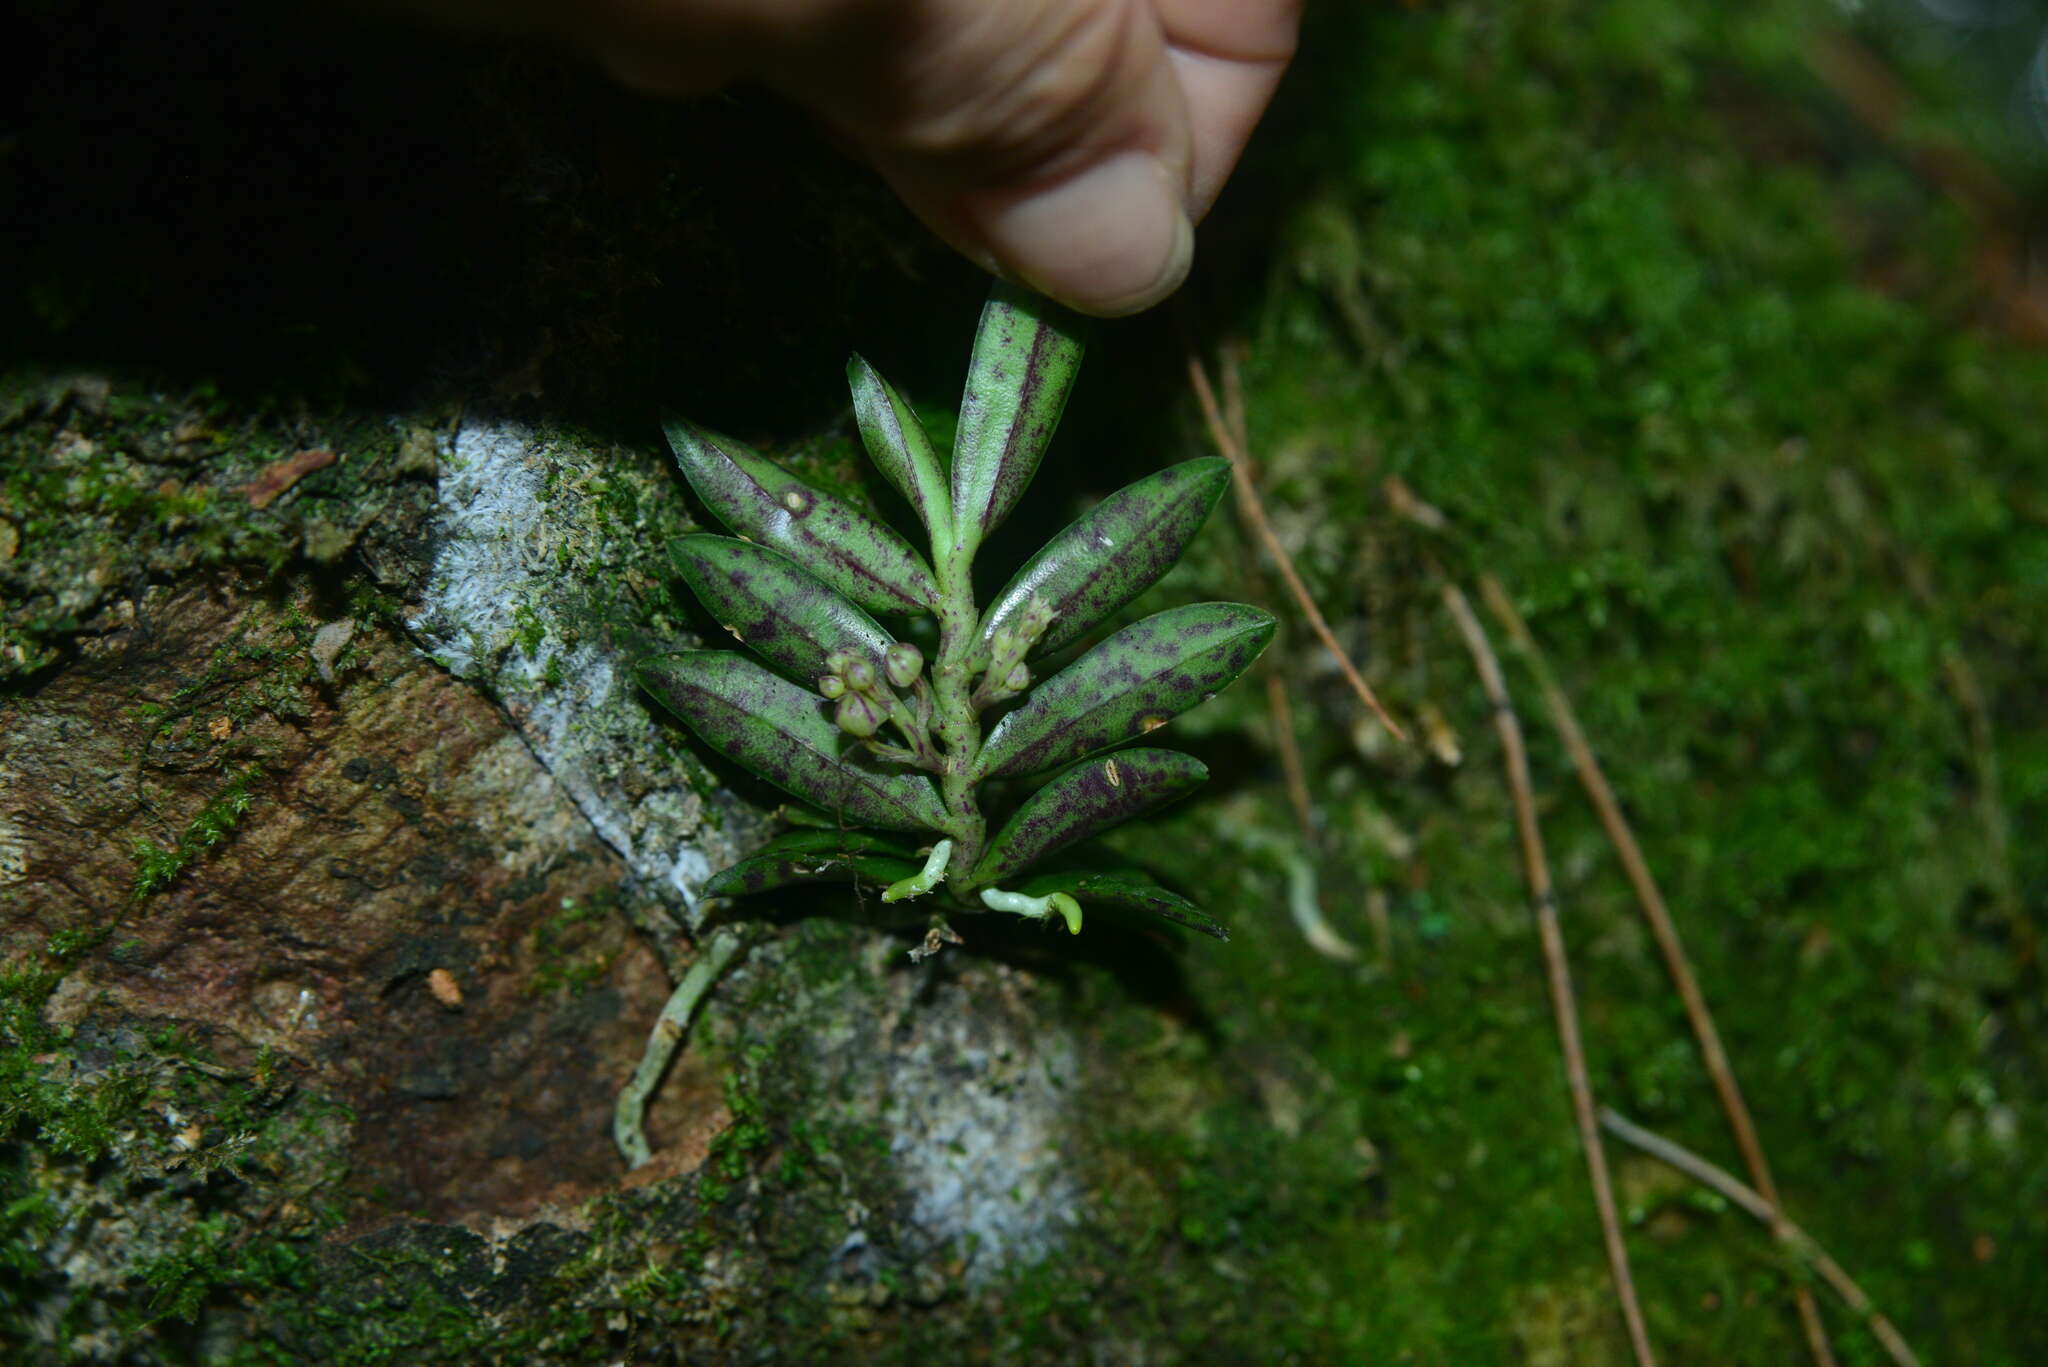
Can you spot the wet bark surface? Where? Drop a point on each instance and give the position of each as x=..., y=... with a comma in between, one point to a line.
x=376, y=914
x=338, y=910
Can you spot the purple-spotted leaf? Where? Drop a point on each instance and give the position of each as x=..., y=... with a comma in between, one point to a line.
x=782, y=732
x=776, y=606
x=1125, y=888
x=1090, y=797
x=1111, y=553
x=897, y=444
x=815, y=856
x=1025, y=354
x=1134, y=682
x=853, y=552
x=837, y=840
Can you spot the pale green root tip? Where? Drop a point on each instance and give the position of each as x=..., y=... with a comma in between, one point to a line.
x=930, y=876
x=1042, y=908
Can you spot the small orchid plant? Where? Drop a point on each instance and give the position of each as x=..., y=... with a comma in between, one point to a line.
x=848, y=715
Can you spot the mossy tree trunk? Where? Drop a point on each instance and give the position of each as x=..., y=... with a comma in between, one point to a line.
x=343, y=872
x=341, y=897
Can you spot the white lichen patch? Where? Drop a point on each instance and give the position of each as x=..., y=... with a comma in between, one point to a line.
x=524, y=574
x=979, y=1106
x=13, y=839
x=13, y=850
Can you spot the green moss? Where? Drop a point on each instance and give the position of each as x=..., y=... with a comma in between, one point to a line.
x=564, y=961
x=216, y=1174
x=646, y=1268
x=105, y=480
x=530, y=630
x=158, y=866
x=737, y=1146
x=1758, y=511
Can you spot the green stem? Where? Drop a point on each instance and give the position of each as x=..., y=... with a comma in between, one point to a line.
x=959, y=725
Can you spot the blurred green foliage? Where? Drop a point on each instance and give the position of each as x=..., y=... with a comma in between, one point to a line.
x=1703, y=374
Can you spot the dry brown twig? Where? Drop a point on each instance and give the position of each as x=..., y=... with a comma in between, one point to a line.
x=1254, y=512
x=1665, y=931
x=1860, y=79
x=1408, y=505
x=1537, y=866
x=1290, y=759
x=1793, y=1237
x=1228, y=429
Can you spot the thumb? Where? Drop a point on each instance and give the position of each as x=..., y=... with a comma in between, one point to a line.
x=1046, y=139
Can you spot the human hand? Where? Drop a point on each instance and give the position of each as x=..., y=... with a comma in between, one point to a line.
x=1069, y=144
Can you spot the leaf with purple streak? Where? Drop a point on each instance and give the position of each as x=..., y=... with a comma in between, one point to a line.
x=853, y=552
x=1126, y=888
x=897, y=444
x=814, y=857
x=1134, y=682
x=776, y=606
x=1092, y=796
x=775, y=729
x=1026, y=352
x=1111, y=553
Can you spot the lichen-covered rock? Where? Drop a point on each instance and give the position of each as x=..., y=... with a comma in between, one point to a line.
x=106, y=483
x=336, y=905
x=544, y=585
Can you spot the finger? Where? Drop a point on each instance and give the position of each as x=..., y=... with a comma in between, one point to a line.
x=1228, y=56
x=1045, y=138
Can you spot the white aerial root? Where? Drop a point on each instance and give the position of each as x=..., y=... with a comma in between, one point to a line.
x=924, y=880
x=629, y=1117
x=1039, y=908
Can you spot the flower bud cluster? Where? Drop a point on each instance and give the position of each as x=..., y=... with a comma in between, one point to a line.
x=1007, y=674
x=864, y=699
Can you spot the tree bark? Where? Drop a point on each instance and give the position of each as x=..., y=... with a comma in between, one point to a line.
x=340, y=898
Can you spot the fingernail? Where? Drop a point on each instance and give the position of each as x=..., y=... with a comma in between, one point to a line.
x=1112, y=240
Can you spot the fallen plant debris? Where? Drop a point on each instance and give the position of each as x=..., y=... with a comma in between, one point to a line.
x=1557, y=964
x=276, y=481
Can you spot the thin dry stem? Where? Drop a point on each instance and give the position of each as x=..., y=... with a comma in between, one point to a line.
x=1541, y=893
x=1795, y=1238
x=1665, y=931
x=1290, y=759
x=1876, y=96
x=1254, y=512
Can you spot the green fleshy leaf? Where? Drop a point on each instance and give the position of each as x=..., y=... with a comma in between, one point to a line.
x=1112, y=553
x=897, y=444
x=853, y=552
x=1026, y=353
x=781, y=732
x=838, y=840
x=1091, y=796
x=1129, y=889
x=775, y=606
x=1134, y=682
x=813, y=857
